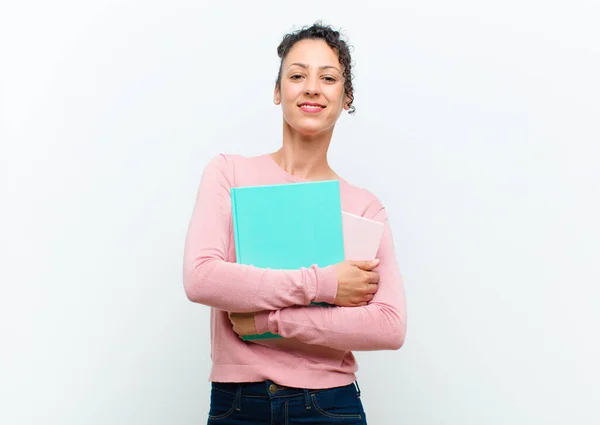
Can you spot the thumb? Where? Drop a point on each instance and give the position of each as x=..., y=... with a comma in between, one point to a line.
x=366, y=265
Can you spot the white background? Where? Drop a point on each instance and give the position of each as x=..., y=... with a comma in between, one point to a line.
x=477, y=124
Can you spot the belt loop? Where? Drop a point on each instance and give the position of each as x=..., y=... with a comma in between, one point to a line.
x=238, y=398
x=306, y=399
x=357, y=389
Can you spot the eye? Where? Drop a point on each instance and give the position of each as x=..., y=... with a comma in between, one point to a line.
x=296, y=77
x=329, y=79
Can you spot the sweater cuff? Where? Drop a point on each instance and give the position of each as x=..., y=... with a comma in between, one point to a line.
x=326, y=285
x=261, y=322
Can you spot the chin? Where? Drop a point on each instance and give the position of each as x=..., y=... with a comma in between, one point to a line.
x=310, y=129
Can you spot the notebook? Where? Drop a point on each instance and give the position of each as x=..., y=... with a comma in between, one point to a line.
x=288, y=226
x=362, y=237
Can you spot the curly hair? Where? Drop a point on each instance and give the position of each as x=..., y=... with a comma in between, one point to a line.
x=333, y=39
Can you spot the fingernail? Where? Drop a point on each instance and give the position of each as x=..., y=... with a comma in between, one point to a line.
x=376, y=261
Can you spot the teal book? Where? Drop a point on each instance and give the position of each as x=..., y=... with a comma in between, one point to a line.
x=288, y=226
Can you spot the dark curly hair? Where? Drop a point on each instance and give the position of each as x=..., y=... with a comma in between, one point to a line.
x=318, y=31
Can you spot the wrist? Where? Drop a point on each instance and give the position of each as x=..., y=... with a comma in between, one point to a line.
x=261, y=321
x=327, y=284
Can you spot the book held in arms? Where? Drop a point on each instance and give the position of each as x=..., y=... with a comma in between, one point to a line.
x=287, y=226
x=295, y=225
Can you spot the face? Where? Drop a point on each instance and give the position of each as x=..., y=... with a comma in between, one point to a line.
x=311, y=93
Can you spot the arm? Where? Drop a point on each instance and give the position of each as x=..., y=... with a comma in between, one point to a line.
x=380, y=325
x=210, y=279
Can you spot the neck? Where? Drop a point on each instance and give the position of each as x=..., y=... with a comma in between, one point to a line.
x=304, y=156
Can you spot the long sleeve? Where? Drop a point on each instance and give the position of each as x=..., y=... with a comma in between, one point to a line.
x=380, y=325
x=210, y=279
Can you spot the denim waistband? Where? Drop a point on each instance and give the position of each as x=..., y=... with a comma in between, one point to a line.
x=269, y=389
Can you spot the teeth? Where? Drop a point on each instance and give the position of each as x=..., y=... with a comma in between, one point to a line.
x=311, y=106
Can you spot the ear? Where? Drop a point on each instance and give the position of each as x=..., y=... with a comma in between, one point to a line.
x=277, y=95
x=346, y=102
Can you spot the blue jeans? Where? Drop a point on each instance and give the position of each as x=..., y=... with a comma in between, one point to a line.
x=264, y=403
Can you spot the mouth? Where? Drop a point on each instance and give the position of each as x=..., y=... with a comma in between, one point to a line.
x=311, y=107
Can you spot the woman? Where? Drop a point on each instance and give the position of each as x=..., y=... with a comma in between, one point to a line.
x=308, y=376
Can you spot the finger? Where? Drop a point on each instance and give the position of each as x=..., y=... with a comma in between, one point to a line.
x=372, y=289
x=366, y=265
x=372, y=277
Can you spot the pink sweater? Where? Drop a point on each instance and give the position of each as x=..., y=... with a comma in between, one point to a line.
x=317, y=344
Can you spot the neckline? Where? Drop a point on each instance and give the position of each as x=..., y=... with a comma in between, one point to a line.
x=290, y=177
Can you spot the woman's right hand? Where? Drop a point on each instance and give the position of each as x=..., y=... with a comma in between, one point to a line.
x=357, y=282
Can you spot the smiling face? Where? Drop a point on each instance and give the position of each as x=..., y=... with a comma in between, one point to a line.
x=311, y=91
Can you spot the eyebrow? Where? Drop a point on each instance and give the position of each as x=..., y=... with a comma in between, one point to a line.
x=303, y=65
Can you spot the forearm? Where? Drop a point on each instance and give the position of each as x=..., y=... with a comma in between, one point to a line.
x=240, y=288
x=372, y=327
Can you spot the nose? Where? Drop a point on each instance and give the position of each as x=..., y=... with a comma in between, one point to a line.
x=312, y=86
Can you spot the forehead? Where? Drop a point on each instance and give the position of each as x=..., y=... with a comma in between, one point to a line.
x=312, y=52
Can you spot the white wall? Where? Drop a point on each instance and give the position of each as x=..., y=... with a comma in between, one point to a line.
x=477, y=124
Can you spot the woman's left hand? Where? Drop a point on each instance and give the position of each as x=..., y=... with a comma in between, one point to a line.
x=243, y=323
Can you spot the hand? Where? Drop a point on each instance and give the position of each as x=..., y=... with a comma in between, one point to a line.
x=357, y=283
x=243, y=323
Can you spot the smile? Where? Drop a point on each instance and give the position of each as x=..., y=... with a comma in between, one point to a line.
x=311, y=108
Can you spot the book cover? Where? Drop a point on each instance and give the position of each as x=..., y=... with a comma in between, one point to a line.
x=288, y=226
x=362, y=237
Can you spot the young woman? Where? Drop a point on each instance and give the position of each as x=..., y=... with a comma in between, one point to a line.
x=308, y=376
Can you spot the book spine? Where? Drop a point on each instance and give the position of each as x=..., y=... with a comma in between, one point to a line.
x=234, y=219
x=267, y=335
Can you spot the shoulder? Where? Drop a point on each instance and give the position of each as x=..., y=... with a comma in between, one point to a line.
x=361, y=201
x=226, y=165
x=227, y=160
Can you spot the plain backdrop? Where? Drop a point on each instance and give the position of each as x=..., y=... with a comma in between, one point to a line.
x=477, y=125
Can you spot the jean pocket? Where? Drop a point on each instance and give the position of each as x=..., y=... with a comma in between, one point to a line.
x=338, y=403
x=222, y=404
